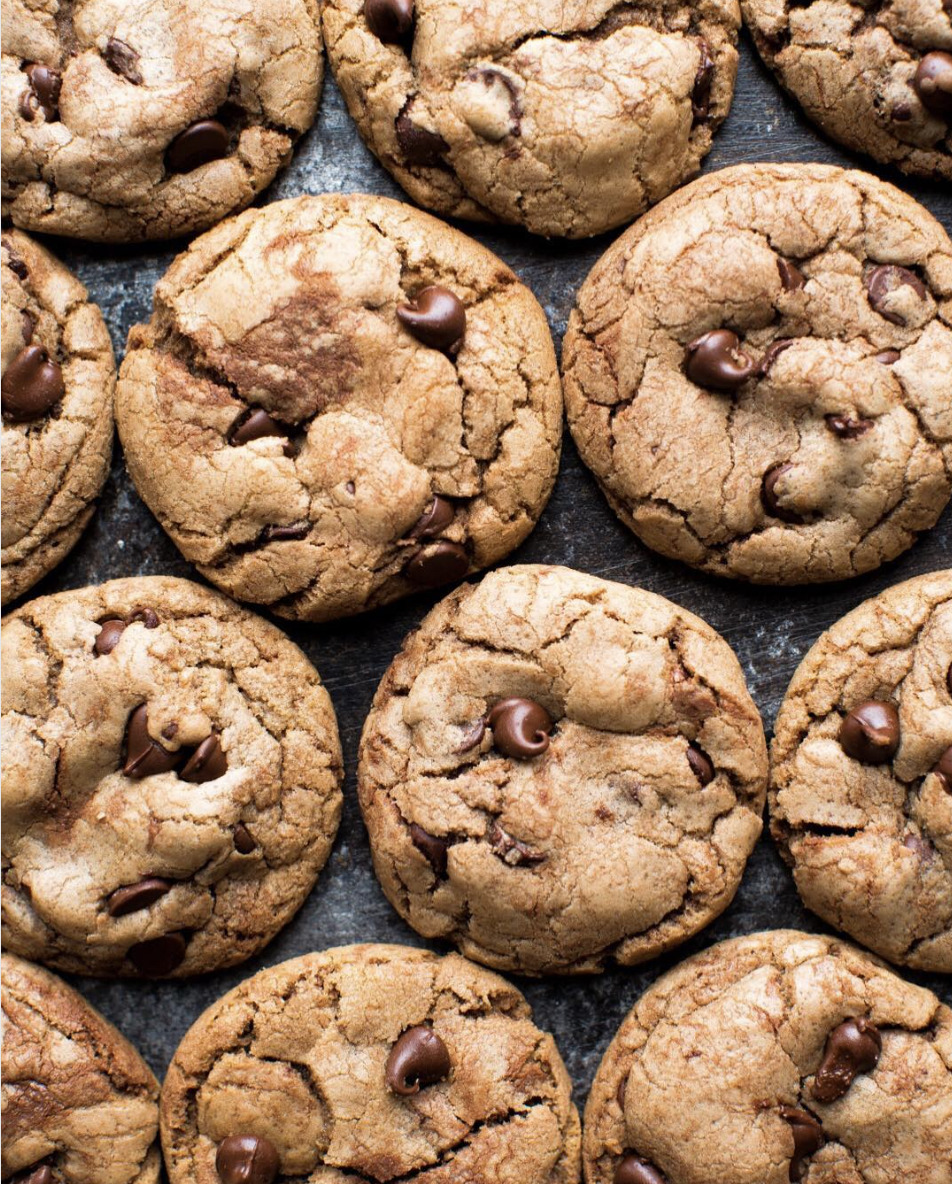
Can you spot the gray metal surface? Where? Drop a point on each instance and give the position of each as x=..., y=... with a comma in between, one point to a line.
x=770, y=629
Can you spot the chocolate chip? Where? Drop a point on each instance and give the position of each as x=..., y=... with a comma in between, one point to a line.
x=472, y=736
x=888, y=357
x=45, y=86
x=883, y=280
x=944, y=768
x=512, y=850
x=280, y=534
x=621, y=1092
x=389, y=20
x=27, y=324
x=247, y=1159
x=520, y=728
x=902, y=112
x=851, y=1048
x=438, y=564
x=771, y=354
x=791, y=277
x=436, y=317
x=870, y=732
x=199, y=144
x=133, y=897
x=159, y=956
x=418, y=144
x=808, y=1137
x=244, y=840
x=418, y=1058
x=716, y=360
x=770, y=498
x=32, y=384
x=434, y=519
x=122, y=59
x=255, y=425
x=39, y=1175
x=432, y=846
x=207, y=762
x=846, y=427
x=948, y=678
x=933, y=83
x=144, y=757
x=635, y=1170
x=148, y=616
x=701, y=765
x=15, y=263
x=108, y=636
x=703, y=79
x=922, y=847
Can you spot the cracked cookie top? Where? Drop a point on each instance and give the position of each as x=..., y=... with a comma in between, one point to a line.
x=568, y=117
x=560, y=772
x=369, y=1063
x=875, y=76
x=80, y=1106
x=59, y=376
x=861, y=774
x=773, y=1058
x=759, y=373
x=126, y=120
x=171, y=779
x=338, y=401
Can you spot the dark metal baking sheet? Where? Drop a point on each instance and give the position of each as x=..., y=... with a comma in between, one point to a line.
x=770, y=629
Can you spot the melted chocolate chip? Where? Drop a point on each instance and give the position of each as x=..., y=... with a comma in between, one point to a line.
x=133, y=897
x=389, y=20
x=922, y=847
x=158, y=957
x=28, y=325
x=434, y=519
x=771, y=354
x=848, y=428
x=15, y=263
x=870, y=732
x=770, y=499
x=715, y=360
x=32, y=384
x=703, y=79
x=144, y=757
x=791, y=277
x=621, y=1092
x=207, y=762
x=257, y=425
x=807, y=1138
x=45, y=86
x=418, y=1058
x=472, y=736
x=282, y=534
x=203, y=142
x=438, y=564
x=436, y=317
x=944, y=768
x=244, y=840
x=123, y=60
x=851, y=1048
x=634, y=1170
x=701, y=764
x=933, y=83
x=247, y=1159
x=512, y=850
x=888, y=357
x=882, y=281
x=108, y=636
x=520, y=728
x=418, y=144
x=432, y=846
x=36, y=1175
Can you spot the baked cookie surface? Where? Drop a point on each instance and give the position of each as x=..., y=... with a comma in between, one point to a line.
x=759, y=372
x=568, y=118
x=776, y=1057
x=559, y=772
x=80, y=1106
x=861, y=774
x=875, y=77
x=146, y=119
x=369, y=1063
x=59, y=378
x=171, y=779
x=339, y=401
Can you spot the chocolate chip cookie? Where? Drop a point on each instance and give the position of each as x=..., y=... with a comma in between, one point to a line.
x=772, y=1058
x=339, y=401
x=59, y=377
x=171, y=779
x=875, y=77
x=861, y=776
x=758, y=373
x=560, y=772
x=568, y=118
x=151, y=118
x=369, y=1063
x=80, y=1106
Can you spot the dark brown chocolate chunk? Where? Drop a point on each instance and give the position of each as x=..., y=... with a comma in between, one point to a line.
x=108, y=636
x=247, y=1159
x=418, y=1058
x=432, y=846
x=848, y=428
x=512, y=850
x=437, y=564
x=133, y=897
x=520, y=728
x=45, y=86
x=791, y=276
x=701, y=764
x=244, y=840
x=32, y=384
x=807, y=1137
x=418, y=144
x=144, y=757
x=207, y=762
x=203, y=142
x=159, y=956
x=703, y=80
x=870, y=732
x=123, y=60
x=770, y=498
x=256, y=425
x=771, y=354
x=944, y=768
x=715, y=360
x=389, y=20
x=15, y=263
x=472, y=735
x=634, y=1170
x=28, y=324
x=434, y=519
x=933, y=83
x=883, y=280
x=436, y=317
x=851, y=1048
x=888, y=357
x=282, y=534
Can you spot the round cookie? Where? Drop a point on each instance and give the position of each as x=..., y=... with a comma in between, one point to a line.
x=59, y=378
x=80, y=1106
x=171, y=780
x=567, y=118
x=758, y=373
x=369, y=1063
x=339, y=401
x=861, y=774
x=777, y=1057
x=559, y=772
x=151, y=118
x=875, y=77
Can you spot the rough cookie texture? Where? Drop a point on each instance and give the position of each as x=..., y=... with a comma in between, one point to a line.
x=171, y=779
x=55, y=454
x=300, y=1056
x=299, y=318
x=854, y=68
x=626, y=834
x=871, y=844
x=759, y=373
x=77, y=1097
x=566, y=117
x=137, y=119
x=715, y=1072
